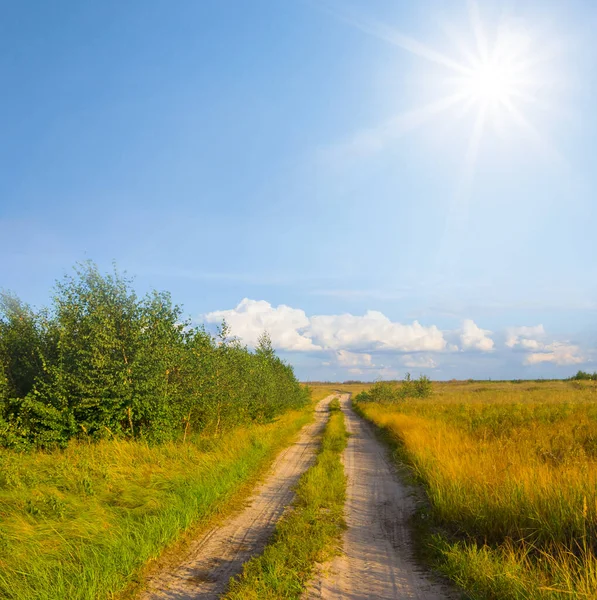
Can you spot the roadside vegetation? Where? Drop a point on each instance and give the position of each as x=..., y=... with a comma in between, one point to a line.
x=393, y=391
x=103, y=363
x=81, y=523
x=311, y=530
x=122, y=425
x=510, y=472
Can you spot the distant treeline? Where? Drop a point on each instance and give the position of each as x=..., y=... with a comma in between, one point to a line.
x=584, y=376
x=103, y=362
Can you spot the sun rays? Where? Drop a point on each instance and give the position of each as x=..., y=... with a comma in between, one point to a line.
x=491, y=75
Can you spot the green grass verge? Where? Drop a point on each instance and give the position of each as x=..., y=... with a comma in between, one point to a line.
x=83, y=523
x=309, y=533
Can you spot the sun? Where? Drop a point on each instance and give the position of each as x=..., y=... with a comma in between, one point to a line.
x=490, y=83
x=497, y=78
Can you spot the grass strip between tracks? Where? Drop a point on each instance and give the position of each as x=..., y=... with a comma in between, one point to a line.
x=309, y=533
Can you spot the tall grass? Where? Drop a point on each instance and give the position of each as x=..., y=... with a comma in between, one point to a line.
x=511, y=476
x=81, y=523
x=308, y=533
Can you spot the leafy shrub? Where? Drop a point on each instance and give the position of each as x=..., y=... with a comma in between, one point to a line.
x=363, y=397
x=388, y=392
x=422, y=387
x=104, y=362
x=584, y=376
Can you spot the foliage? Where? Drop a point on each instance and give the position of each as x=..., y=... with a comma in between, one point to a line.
x=584, y=376
x=308, y=533
x=510, y=472
x=388, y=392
x=103, y=362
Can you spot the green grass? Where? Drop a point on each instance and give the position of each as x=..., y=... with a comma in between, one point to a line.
x=334, y=405
x=309, y=533
x=83, y=523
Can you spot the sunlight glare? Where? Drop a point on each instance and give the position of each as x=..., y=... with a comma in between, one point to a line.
x=492, y=76
x=490, y=83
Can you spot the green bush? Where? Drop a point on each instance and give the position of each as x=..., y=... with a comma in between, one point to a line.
x=103, y=362
x=422, y=387
x=584, y=376
x=389, y=392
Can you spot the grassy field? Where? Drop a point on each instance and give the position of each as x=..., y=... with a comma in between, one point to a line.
x=510, y=471
x=82, y=523
x=319, y=392
x=309, y=533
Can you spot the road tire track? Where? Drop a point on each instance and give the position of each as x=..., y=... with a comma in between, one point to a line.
x=219, y=554
x=377, y=559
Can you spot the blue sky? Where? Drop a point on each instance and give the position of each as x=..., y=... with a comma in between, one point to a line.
x=319, y=169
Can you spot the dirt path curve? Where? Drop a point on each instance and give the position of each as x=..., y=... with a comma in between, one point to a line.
x=377, y=560
x=214, y=558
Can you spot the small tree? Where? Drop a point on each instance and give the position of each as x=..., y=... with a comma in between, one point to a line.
x=422, y=387
x=20, y=346
x=407, y=389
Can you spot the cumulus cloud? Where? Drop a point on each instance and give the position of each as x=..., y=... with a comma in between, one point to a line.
x=353, y=359
x=472, y=337
x=374, y=331
x=419, y=361
x=557, y=353
x=532, y=340
x=526, y=337
x=284, y=324
x=290, y=329
x=375, y=345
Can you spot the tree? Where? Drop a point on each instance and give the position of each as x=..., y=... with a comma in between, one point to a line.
x=103, y=361
x=20, y=346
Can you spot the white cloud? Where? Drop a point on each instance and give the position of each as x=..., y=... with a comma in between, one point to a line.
x=373, y=344
x=556, y=353
x=374, y=331
x=526, y=337
x=284, y=324
x=290, y=329
x=353, y=359
x=420, y=361
x=472, y=337
x=532, y=338
x=531, y=344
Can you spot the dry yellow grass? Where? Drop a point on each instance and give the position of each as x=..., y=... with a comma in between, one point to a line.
x=510, y=470
x=320, y=391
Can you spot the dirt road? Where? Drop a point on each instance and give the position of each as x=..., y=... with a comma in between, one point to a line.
x=377, y=560
x=213, y=559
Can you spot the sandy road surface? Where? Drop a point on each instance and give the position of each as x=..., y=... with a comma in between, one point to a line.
x=377, y=551
x=213, y=559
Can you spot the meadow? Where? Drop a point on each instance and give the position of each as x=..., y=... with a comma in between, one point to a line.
x=123, y=429
x=83, y=522
x=510, y=475
x=86, y=522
